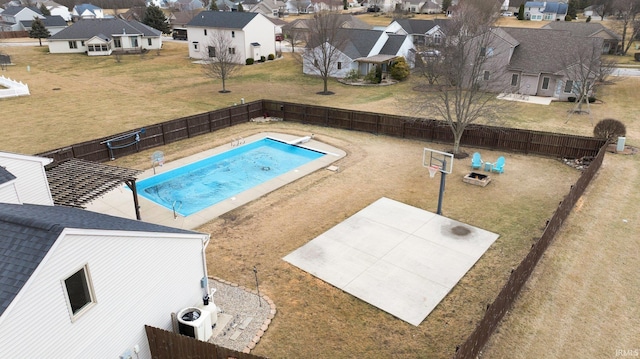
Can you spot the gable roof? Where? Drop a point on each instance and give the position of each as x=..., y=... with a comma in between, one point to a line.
x=88, y=28
x=28, y=231
x=5, y=175
x=538, y=50
x=584, y=29
x=223, y=19
x=14, y=10
x=393, y=44
x=417, y=26
x=80, y=8
x=359, y=42
x=49, y=21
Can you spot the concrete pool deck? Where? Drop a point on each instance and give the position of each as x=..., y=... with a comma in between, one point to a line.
x=119, y=202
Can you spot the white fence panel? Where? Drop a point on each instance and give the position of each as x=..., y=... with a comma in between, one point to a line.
x=13, y=88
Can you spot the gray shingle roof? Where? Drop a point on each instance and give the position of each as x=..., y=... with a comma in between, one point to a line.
x=5, y=175
x=360, y=42
x=28, y=231
x=393, y=44
x=222, y=19
x=417, y=26
x=584, y=29
x=48, y=21
x=542, y=50
x=13, y=10
x=88, y=28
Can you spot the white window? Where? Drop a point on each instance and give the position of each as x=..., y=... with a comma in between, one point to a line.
x=233, y=34
x=73, y=45
x=339, y=65
x=196, y=46
x=568, y=86
x=232, y=50
x=134, y=41
x=212, y=51
x=205, y=32
x=437, y=38
x=117, y=43
x=514, y=79
x=79, y=292
x=485, y=75
x=149, y=42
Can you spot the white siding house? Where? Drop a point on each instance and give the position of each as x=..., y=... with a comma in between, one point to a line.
x=79, y=284
x=252, y=34
x=31, y=182
x=102, y=37
x=364, y=50
x=11, y=17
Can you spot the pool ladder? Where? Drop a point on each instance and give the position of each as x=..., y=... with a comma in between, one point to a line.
x=237, y=141
x=173, y=206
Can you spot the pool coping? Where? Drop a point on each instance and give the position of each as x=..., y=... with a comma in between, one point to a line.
x=119, y=202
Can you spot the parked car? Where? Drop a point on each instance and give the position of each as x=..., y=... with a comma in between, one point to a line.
x=179, y=34
x=373, y=8
x=507, y=13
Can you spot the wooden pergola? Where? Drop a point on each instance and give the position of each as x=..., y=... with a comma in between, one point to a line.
x=75, y=182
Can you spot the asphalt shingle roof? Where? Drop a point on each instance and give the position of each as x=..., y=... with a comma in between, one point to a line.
x=584, y=29
x=88, y=28
x=360, y=42
x=541, y=50
x=48, y=21
x=13, y=10
x=417, y=26
x=393, y=44
x=28, y=231
x=222, y=19
x=5, y=175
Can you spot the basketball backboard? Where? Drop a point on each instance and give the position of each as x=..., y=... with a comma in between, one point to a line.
x=444, y=160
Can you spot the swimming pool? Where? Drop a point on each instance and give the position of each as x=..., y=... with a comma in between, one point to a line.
x=199, y=185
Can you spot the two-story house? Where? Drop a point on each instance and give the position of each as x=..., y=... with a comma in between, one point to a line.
x=251, y=35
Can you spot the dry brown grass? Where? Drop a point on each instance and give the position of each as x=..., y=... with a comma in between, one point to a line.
x=97, y=97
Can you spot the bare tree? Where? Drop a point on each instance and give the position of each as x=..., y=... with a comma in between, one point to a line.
x=469, y=73
x=603, y=7
x=325, y=40
x=221, y=59
x=582, y=67
x=627, y=12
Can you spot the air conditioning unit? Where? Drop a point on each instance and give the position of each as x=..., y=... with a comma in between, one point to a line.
x=195, y=323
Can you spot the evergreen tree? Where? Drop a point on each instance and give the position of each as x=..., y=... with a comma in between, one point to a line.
x=240, y=8
x=571, y=11
x=154, y=17
x=445, y=5
x=44, y=10
x=521, y=12
x=213, y=6
x=38, y=30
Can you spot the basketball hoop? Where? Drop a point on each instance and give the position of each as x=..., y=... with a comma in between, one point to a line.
x=432, y=170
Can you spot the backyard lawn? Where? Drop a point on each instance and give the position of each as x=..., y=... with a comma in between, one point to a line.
x=76, y=98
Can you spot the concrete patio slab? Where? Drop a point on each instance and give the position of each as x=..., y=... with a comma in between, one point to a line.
x=401, y=259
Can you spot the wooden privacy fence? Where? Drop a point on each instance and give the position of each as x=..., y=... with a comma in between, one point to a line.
x=126, y=143
x=491, y=137
x=168, y=345
x=507, y=296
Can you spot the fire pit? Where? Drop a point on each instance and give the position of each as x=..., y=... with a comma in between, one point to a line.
x=477, y=179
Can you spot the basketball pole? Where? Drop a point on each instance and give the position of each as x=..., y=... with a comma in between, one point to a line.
x=443, y=176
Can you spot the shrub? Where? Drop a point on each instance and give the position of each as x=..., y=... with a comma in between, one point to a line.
x=567, y=18
x=352, y=75
x=609, y=129
x=263, y=59
x=249, y=61
x=271, y=57
x=371, y=77
x=588, y=19
x=399, y=70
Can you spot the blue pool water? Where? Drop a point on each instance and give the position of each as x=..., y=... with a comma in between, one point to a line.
x=202, y=184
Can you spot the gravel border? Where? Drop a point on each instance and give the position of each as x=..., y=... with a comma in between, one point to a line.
x=241, y=303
